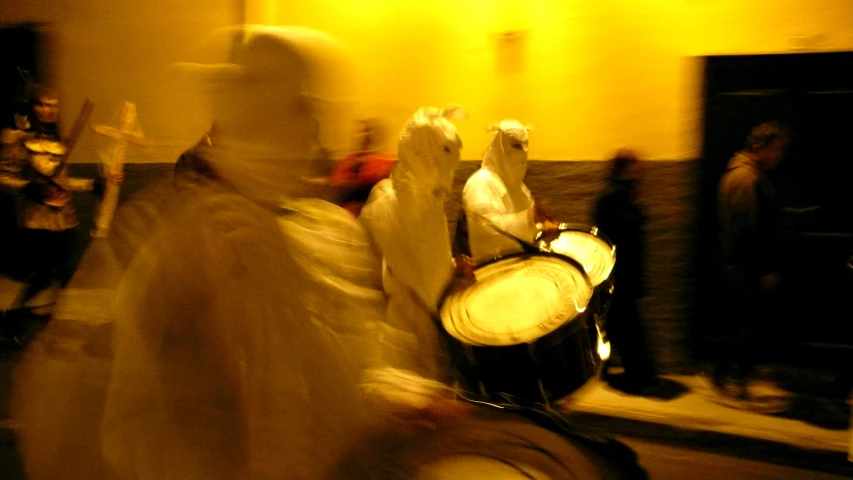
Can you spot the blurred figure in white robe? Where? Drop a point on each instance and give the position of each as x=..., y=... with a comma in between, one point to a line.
x=246, y=310
x=405, y=217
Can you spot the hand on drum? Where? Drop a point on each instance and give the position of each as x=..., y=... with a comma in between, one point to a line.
x=550, y=231
x=542, y=213
x=548, y=226
x=465, y=266
x=544, y=218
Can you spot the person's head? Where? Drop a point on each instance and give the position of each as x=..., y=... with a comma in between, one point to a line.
x=428, y=151
x=45, y=155
x=45, y=105
x=625, y=171
x=506, y=154
x=767, y=143
x=624, y=166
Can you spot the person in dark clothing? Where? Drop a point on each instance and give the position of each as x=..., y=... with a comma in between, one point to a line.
x=620, y=217
x=37, y=118
x=48, y=221
x=749, y=252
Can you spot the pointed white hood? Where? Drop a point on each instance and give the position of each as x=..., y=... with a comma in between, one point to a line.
x=506, y=154
x=428, y=153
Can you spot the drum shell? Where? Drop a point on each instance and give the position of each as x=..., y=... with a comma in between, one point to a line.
x=493, y=434
x=543, y=371
x=602, y=296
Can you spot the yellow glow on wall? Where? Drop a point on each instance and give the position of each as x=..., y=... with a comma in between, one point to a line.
x=590, y=76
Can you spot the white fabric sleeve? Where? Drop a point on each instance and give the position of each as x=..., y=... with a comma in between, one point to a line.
x=410, y=232
x=484, y=198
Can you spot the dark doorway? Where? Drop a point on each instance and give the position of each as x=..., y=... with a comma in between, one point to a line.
x=812, y=95
x=21, y=54
x=20, y=59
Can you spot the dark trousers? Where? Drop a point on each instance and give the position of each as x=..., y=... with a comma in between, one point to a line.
x=628, y=337
x=49, y=255
x=10, y=242
x=747, y=312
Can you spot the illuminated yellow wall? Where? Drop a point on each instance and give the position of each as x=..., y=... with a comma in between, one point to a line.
x=589, y=75
x=120, y=50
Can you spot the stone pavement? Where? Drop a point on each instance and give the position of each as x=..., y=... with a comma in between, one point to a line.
x=815, y=434
x=696, y=420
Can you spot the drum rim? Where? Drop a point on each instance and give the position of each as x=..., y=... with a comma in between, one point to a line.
x=584, y=228
x=454, y=286
x=576, y=227
x=535, y=253
x=488, y=426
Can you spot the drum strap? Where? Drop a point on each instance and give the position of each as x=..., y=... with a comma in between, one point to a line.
x=540, y=414
x=526, y=243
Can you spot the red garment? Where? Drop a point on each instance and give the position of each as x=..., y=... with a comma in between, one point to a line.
x=357, y=174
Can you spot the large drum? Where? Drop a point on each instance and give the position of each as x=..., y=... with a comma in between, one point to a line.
x=523, y=329
x=489, y=445
x=593, y=250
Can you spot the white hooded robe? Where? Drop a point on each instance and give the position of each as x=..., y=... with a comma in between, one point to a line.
x=495, y=198
x=405, y=218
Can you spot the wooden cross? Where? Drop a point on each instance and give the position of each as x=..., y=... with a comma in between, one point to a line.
x=114, y=166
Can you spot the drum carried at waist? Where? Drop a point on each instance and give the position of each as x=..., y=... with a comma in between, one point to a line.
x=490, y=444
x=593, y=250
x=523, y=329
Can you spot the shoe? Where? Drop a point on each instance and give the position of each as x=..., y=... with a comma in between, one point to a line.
x=652, y=387
x=767, y=406
x=758, y=397
x=722, y=391
x=11, y=342
x=17, y=342
x=765, y=397
x=10, y=330
x=663, y=389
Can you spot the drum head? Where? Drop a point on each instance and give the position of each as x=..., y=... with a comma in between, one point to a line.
x=473, y=467
x=489, y=447
x=517, y=300
x=590, y=249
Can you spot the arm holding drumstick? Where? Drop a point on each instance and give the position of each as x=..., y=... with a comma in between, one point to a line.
x=544, y=217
